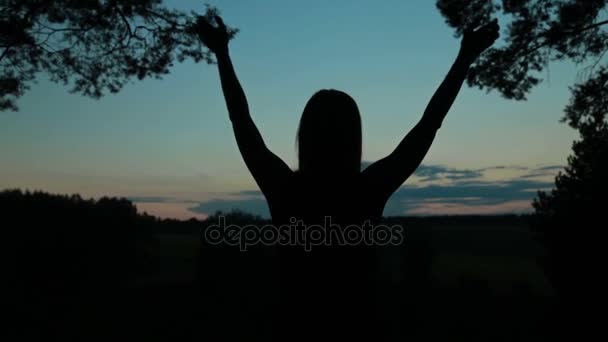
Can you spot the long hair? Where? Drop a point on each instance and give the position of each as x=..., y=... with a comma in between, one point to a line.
x=329, y=135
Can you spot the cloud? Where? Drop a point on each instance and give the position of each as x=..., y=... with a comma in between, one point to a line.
x=550, y=168
x=483, y=195
x=429, y=173
x=468, y=197
x=447, y=208
x=432, y=173
x=252, y=193
x=439, y=190
x=544, y=172
x=505, y=167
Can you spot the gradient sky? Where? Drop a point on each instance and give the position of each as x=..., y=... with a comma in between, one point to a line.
x=168, y=145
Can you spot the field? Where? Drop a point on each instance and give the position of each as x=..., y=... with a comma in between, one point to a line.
x=476, y=278
x=99, y=272
x=504, y=255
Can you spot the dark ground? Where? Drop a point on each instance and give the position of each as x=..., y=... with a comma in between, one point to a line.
x=79, y=270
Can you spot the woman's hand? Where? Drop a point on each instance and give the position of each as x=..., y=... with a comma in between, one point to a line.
x=214, y=37
x=474, y=42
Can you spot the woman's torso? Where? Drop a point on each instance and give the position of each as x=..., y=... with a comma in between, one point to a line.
x=326, y=277
x=347, y=200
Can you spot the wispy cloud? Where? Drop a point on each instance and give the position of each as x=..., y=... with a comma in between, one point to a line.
x=429, y=173
x=436, y=190
x=450, y=208
x=501, y=197
x=550, y=168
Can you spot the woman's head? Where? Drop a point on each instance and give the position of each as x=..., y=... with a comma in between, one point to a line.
x=329, y=135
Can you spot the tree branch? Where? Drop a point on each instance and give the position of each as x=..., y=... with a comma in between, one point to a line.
x=566, y=33
x=126, y=22
x=5, y=52
x=592, y=26
x=166, y=19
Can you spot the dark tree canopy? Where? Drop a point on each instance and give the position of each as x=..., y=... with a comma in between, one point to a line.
x=581, y=187
x=95, y=46
x=571, y=217
x=538, y=32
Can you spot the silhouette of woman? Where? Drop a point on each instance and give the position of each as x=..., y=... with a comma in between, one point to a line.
x=328, y=292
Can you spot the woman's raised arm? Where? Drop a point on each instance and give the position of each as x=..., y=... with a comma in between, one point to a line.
x=266, y=167
x=388, y=174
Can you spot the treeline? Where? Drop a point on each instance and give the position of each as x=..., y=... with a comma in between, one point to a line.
x=64, y=258
x=73, y=267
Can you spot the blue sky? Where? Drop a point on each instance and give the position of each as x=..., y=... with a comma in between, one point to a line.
x=168, y=143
